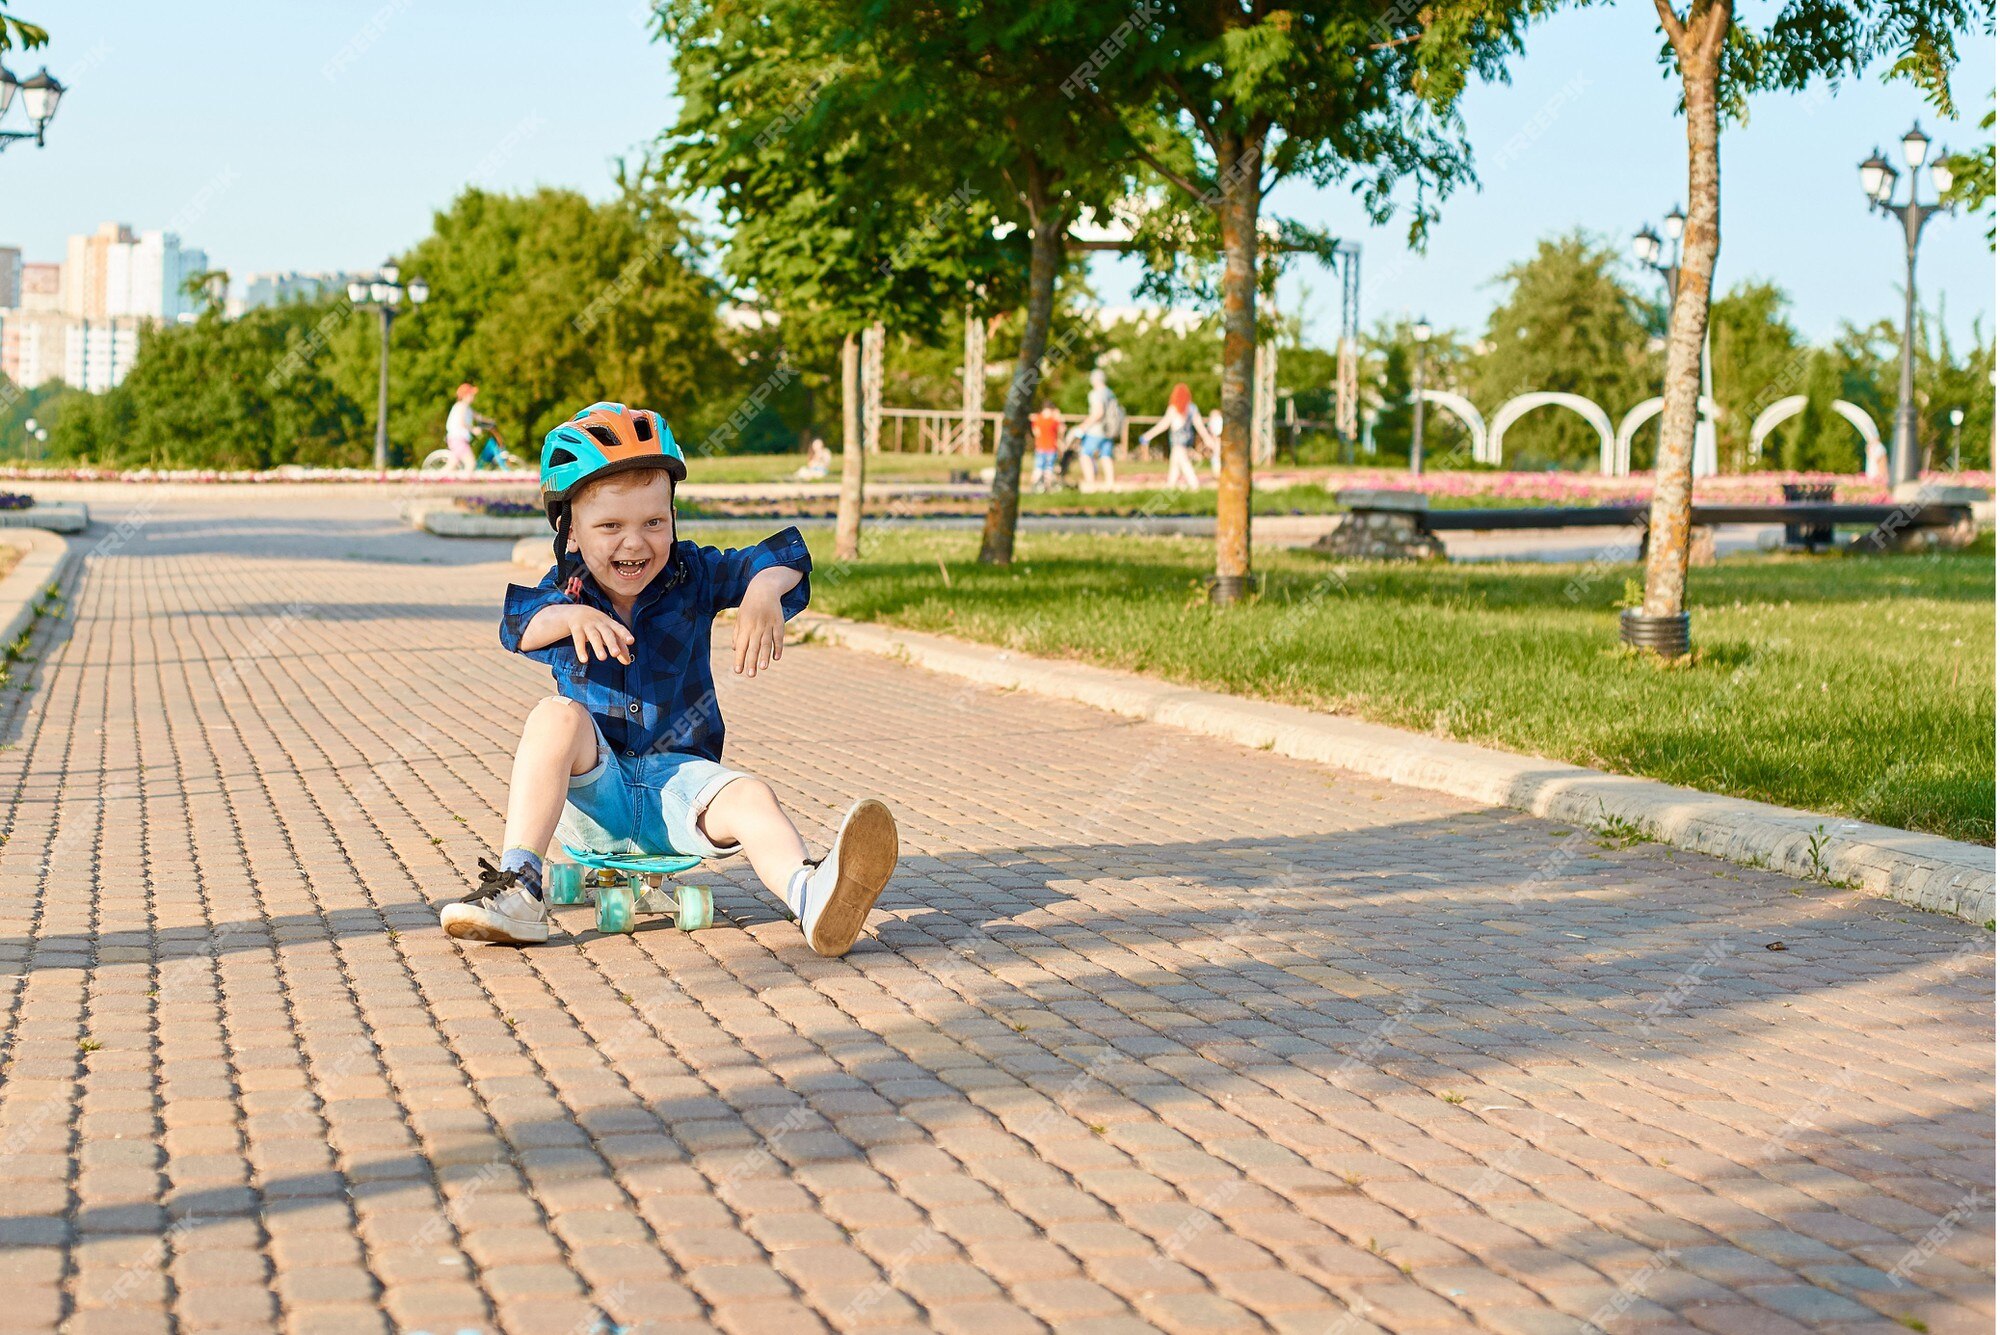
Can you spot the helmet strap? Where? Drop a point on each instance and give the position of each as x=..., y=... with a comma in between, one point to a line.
x=569, y=565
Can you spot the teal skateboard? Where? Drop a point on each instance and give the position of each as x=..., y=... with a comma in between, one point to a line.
x=624, y=885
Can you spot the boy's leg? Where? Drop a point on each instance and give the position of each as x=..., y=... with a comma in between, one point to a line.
x=831, y=899
x=746, y=813
x=558, y=743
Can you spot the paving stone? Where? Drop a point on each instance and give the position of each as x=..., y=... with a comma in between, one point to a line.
x=1104, y=1061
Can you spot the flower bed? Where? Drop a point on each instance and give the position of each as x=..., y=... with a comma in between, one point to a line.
x=501, y=507
x=14, y=500
x=1593, y=489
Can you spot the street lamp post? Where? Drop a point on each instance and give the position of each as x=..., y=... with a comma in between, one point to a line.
x=1957, y=421
x=1878, y=181
x=1421, y=332
x=385, y=292
x=39, y=96
x=1646, y=244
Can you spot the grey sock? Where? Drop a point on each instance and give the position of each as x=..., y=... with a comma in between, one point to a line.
x=529, y=865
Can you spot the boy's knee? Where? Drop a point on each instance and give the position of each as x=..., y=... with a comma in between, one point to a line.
x=558, y=712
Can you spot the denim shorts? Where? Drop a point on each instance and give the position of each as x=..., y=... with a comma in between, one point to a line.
x=644, y=804
x=1096, y=446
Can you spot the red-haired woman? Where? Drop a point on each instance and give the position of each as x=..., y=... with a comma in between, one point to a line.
x=1183, y=423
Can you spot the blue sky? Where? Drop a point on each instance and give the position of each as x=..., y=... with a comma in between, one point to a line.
x=323, y=136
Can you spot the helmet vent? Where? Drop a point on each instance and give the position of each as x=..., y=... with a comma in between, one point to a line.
x=642, y=426
x=561, y=455
x=603, y=436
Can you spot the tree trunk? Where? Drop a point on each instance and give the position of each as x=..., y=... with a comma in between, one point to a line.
x=853, y=458
x=1240, y=187
x=1003, y=510
x=1698, y=50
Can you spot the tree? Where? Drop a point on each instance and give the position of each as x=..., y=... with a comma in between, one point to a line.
x=1721, y=61
x=1567, y=322
x=549, y=301
x=1226, y=99
x=1756, y=357
x=820, y=150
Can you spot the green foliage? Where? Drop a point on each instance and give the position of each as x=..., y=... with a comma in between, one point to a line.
x=19, y=32
x=1756, y=358
x=548, y=302
x=220, y=394
x=1972, y=177
x=1568, y=322
x=1820, y=439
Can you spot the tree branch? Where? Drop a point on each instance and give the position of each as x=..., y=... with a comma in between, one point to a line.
x=1671, y=24
x=1147, y=156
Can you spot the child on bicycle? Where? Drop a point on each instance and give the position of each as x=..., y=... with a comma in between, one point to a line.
x=627, y=756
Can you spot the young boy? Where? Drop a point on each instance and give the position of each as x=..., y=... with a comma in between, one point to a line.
x=1047, y=426
x=627, y=757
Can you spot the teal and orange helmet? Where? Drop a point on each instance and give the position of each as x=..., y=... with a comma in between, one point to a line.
x=604, y=438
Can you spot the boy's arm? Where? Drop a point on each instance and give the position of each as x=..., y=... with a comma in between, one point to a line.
x=730, y=574
x=537, y=622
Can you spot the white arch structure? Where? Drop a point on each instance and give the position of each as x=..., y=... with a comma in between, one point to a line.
x=1521, y=405
x=1644, y=412
x=1461, y=407
x=1785, y=409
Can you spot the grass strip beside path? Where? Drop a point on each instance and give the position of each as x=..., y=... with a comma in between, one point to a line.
x=1856, y=686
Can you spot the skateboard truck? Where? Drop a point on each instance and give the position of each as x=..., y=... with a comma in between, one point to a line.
x=624, y=885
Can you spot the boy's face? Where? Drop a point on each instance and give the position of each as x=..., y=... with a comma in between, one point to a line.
x=624, y=529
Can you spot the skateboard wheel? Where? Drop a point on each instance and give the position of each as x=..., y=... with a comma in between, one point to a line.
x=565, y=883
x=697, y=908
x=614, y=908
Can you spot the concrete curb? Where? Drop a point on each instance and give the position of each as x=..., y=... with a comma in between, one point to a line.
x=54, y=516
x=1926, y=871
x=44, y=558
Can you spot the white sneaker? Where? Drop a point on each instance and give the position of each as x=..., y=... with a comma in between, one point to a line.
x=499, y=910
x=839, y=892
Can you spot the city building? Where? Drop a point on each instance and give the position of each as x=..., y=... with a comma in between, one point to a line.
x=41, y=289
x=10, y=278
x=113, y=273
x=275, y=289
x=98, y=353
x=33, y=346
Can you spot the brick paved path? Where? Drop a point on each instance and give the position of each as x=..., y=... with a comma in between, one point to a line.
x=1153, y=1032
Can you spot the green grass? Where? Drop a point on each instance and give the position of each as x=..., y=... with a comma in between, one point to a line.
x=1853, y=686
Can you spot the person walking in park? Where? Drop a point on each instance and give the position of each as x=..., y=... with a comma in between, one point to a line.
x=461, y=424
x=1183, y=424
x=626, y=756
x=1103, y=423
x=1048, y=429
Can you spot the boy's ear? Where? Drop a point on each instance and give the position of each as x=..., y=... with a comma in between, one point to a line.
x=572, y=546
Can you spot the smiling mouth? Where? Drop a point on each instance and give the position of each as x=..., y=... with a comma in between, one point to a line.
x=630, y=569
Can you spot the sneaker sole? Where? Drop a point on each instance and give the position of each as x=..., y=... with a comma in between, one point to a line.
x=868, y=851
x=476, y=929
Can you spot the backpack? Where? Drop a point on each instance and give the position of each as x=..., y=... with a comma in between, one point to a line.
x=1114, y=416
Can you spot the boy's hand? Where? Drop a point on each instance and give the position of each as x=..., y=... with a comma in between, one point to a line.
x=760, y=629
x=591, y=631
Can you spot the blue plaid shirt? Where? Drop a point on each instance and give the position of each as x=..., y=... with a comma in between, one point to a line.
x=665, y=699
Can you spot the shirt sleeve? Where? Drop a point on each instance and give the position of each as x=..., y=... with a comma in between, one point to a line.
x=520, y=608
x=727, y=574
